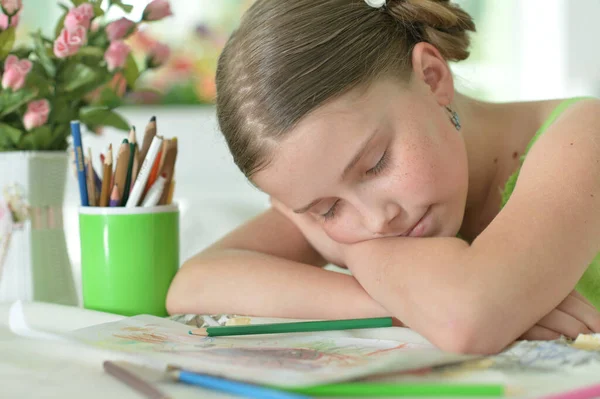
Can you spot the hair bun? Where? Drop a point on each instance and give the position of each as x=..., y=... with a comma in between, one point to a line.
x=440, y=22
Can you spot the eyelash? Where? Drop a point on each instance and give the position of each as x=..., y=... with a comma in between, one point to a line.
x=375, y=170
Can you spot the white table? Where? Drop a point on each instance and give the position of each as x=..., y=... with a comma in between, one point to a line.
x=37, y=368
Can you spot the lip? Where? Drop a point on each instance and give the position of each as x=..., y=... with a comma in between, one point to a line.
x=418, y=229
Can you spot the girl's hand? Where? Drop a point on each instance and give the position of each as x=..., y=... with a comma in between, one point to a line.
x=332, y=251
x=574, y=316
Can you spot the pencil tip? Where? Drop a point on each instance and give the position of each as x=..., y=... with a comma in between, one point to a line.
x=153, y=119
x=125, y=141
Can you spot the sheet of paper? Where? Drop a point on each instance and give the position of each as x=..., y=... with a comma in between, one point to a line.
x=281, y=359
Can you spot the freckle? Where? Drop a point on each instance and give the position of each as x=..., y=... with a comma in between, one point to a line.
x=496, y=160
x=515, y=155
x=571, y=143
x=592, y=195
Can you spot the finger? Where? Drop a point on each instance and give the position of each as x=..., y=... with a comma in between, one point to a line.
x=581, y=311
x=563, y=323
x=539, y=333
x=577, y=295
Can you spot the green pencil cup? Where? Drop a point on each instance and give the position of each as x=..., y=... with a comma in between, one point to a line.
x=128, y=258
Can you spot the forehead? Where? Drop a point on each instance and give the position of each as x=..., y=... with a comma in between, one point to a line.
x=311, y=158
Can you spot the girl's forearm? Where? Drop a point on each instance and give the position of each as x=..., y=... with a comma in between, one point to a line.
x=252, y=283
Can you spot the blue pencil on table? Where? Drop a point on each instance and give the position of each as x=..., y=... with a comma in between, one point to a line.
x=79, y=162
x=232, y=387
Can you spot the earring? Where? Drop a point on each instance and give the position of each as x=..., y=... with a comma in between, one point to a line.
x=454, y=118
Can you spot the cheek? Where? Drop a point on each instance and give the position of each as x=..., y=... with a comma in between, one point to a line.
x=347, y=229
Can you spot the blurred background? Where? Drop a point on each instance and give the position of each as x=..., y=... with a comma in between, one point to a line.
x=523, y=50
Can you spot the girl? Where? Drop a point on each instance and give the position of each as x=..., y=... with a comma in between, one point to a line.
x=345, y=113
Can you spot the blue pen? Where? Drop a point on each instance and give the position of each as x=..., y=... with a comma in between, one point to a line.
x=79, y=162
x=233, y=387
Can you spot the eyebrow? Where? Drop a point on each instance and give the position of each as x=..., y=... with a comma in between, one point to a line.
x=363, y=148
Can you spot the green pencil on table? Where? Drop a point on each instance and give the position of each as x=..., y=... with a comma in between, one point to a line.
x=302, y=326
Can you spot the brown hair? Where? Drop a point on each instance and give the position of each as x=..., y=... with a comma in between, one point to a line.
x=290, y=56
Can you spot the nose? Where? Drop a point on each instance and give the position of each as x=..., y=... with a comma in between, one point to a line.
x=379, y=220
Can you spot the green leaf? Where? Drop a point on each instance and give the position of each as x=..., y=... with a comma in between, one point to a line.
x=41, y=51
x=37, y=81
x=125, y=7
x=9, y=134
x=78, y=75
x=109, y=98
x=7, y=39
x=38, y=138
x=102, y=116
x=78, y=2
x=11, y=100
x=91, y=51
x=98, y=11
x=131, y=71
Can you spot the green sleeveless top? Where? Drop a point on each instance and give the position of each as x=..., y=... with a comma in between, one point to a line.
x=589, y=285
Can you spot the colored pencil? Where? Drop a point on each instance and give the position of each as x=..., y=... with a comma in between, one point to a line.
x=155, y=192
x=115, y=200
x=79, y=162
x=133, y=381
x=232, y=387
x=91, y=184
x=170, y=193
x=128, y=183
x=142, y=178
x=156, y=166
x=149, y=134
x=168, y=168
x=106, y=178
x=136, y=157
x=589, y=392
x=121, y=168
x=303, y=326
x=400, y=389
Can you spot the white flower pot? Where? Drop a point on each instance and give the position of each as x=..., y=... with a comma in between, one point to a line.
x=34, y=263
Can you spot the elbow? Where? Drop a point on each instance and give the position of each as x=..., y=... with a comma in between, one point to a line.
x=178, y=295
x=470, y=334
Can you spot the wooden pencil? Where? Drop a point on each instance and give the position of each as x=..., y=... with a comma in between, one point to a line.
x=170, y=193
x=155, y=168
x=136, y=156
x=114, y=196
x=127, y=188
x=106, y=178
x=133, y=381
x=149, y=134
x=168, y=168
x=91, y=184
x=303, y=326
x=121, y=168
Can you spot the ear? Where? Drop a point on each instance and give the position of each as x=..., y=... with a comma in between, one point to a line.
x=429, y=67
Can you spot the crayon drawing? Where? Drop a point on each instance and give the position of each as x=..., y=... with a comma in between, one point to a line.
x=289, y=359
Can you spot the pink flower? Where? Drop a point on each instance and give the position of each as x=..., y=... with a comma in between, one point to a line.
x=118, y=83
x=116, y=55
x=11, y=6
x=36, y=114
x=14, y=21
x=157, y=9
x=119, y=29
x=15, y=72
x=69, y=42
x=158, y=54
x=79, y=16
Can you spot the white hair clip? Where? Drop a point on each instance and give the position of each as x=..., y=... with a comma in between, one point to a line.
x=376, y=3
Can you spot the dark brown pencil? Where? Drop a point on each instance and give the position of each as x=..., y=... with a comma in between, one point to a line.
x=133, y=381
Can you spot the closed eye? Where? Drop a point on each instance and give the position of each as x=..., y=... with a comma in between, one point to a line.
x=380, y=166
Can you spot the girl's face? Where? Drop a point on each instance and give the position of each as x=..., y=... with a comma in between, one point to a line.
x=377, y=163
